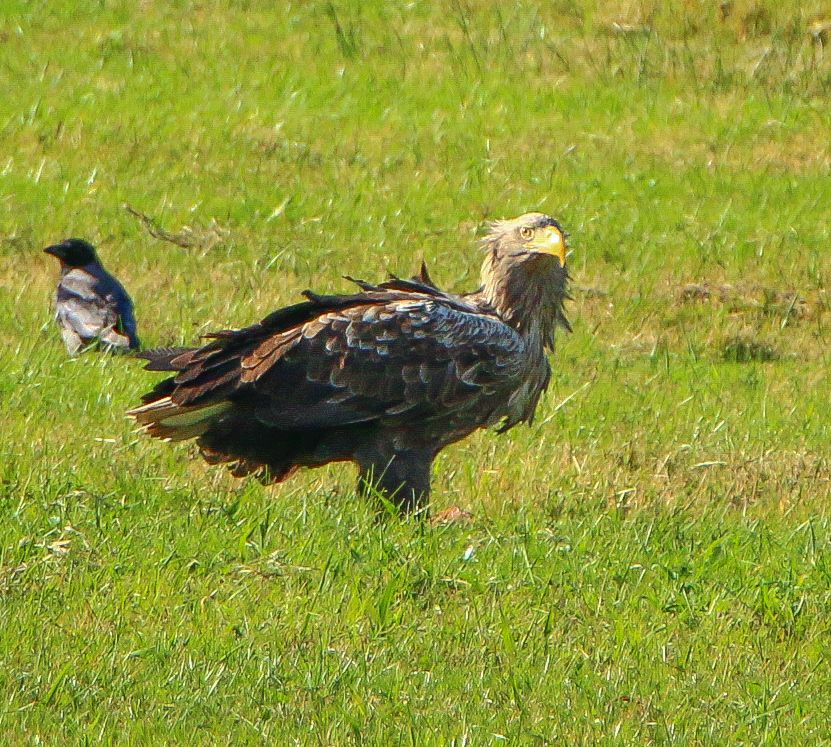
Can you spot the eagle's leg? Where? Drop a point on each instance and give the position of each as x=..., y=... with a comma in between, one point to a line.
x=403, y=478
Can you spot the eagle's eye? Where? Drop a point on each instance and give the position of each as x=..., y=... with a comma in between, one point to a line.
x=526, y=232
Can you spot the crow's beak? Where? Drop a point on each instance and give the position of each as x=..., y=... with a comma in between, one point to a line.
x=55, y=251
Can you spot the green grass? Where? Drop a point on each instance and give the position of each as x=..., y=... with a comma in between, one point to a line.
x=649, y=563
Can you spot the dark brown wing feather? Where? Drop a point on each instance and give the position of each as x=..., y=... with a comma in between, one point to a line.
x=391, y=361
x=400, y=353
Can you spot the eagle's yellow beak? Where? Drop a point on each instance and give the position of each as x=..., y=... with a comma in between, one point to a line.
x=549, y=240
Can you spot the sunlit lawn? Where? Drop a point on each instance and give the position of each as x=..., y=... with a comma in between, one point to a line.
x=647, y=563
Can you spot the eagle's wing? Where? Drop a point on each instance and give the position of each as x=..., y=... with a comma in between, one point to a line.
x=391, y=355
x=396, y=361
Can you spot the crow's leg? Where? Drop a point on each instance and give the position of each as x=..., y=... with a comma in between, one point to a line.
x=72, y=340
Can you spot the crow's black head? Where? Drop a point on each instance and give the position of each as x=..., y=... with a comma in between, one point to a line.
x=73, y=252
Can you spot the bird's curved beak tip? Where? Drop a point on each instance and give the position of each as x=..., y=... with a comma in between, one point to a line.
x=551, y=241
x=53, y=250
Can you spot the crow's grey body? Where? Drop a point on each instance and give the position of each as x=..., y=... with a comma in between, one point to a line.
x=91, y=305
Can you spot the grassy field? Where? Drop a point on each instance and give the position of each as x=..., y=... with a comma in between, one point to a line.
x=649, y=563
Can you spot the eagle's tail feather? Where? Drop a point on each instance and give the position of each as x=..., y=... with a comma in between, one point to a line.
x=164, y=419
x=229, y=434
x=164, y=359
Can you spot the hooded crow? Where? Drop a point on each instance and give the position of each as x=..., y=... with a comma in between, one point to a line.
x=91, y=305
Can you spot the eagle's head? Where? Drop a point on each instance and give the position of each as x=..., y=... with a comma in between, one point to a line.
x=532, y=236
x=525, y=273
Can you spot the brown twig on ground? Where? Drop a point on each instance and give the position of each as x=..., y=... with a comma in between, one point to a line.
x=187, y=237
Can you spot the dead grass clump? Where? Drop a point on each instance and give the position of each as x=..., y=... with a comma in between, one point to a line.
x=754, y=301
x=744, y=349
x=707, y=291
